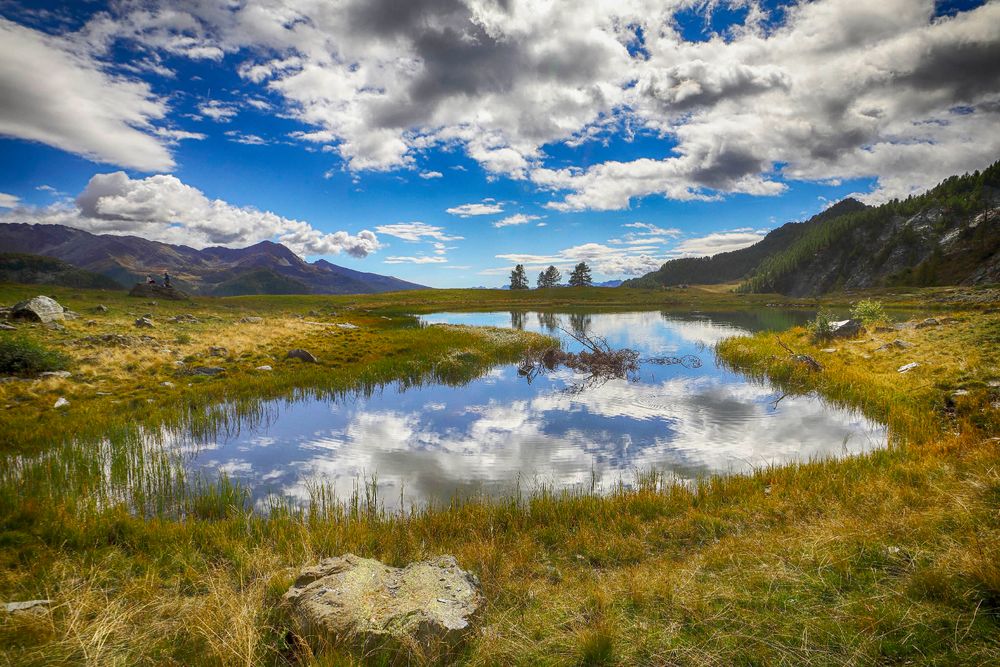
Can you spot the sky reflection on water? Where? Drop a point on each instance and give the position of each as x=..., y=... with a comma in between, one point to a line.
x=499, y=431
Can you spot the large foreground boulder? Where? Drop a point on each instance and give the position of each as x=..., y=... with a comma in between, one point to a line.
x=420, y=611
x=846, y=328
x=157, y=292
x=39, y=309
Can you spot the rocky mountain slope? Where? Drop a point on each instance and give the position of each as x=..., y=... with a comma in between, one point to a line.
x=949, y=235
x=264, y=268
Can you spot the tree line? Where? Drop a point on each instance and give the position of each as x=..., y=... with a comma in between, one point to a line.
x=550, y=277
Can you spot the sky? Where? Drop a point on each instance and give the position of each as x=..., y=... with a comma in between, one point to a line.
x=444, y=141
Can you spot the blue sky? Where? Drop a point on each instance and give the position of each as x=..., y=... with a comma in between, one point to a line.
x=446, y=141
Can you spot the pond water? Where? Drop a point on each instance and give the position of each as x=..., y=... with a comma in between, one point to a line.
x=501, y=432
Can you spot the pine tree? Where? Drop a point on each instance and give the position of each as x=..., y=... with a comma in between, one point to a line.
x=550, y=277
x=581, y=276
x=518, y=278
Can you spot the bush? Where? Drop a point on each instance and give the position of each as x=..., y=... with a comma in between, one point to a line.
x=23, y=356
x=870, y=312
x=820, y=328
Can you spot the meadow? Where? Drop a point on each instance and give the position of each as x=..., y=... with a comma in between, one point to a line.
x=888, y=557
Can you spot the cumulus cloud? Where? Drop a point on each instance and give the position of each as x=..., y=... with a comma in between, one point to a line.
x=516, y=219
x=486, y=207
x=716, y=242
x=415, y=231
x=75, y=105
x=428, y=175
x=606, y=260
x=8, y=201
x=835, y=89
x=163, y=208
x=220, y=112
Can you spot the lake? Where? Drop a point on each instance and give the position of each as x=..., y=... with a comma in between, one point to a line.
x=500, y=433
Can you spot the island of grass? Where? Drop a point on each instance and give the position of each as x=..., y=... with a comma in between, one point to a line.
x=893, y=556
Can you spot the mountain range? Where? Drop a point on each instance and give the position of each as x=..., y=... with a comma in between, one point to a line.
x=263, y=268
x=949, y=235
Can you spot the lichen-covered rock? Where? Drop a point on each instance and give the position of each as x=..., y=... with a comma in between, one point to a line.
x=39, y=309
x=144, y=323
x=422, y=610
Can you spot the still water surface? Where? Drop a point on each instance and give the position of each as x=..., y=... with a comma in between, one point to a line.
x=499, y=431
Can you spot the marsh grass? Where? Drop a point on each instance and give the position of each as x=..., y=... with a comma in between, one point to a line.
x=887, y=557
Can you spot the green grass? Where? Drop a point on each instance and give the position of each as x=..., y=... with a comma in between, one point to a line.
x=888, y=557
x=23, y=356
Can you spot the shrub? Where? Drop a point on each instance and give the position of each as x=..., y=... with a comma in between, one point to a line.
x=820, y=328
x=23, y=356
x=870, y=312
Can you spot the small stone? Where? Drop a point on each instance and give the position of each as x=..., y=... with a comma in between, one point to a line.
x=906, y=368
x=218, y=352
x=61, y=402
x=100, y=308
x=55, y=326
x=251, y=319
x=144, y=323
x=265, y=367
x=55, y=374
x=7, y=327
x=929, y=322
x=37, y=607
x=304, y=355
x=960, y=392
x=166, y=383
x=346, y=325
x=829, y=350
x=179, y=364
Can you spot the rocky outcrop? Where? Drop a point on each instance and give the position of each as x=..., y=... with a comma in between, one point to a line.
x=846, y=328
x=421, y=611
x=157, y=292
x=39, y=309
x=304, y=355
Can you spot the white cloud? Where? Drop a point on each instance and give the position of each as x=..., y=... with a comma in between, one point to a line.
x=428, y=175
x=248, y=139
x=516, y=219
x=8, y=201
x=162, y=208
x=415, y=231
x=486, y=207
x=606, y=260
x=421, y=259
x=716, y=242
x=57, y=94
x=220, y=112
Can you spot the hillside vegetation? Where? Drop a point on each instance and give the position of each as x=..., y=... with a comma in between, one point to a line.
x=36, y=270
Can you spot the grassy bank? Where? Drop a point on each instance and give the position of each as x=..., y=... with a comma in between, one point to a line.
x=890, y=557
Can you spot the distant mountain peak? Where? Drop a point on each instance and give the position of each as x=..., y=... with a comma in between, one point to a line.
x=264, y=267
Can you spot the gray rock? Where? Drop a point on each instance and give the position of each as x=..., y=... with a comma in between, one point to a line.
x=346, y=325
x=218, y=352
x=423, y=609
x=265, y=367
x=304, y=355
x=207, y=370
x=7, y=327
x=61, y=402
x=144, y=323
x=906, y=368
x=251, y=319
x=100, y=308
x=54, y=326
x=929, y=322
x=845, y=328
x=37, y=607
x=55, y=374
x=39, y=309
x=167, y=384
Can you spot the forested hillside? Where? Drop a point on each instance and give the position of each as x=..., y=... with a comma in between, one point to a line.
x=948, y=235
